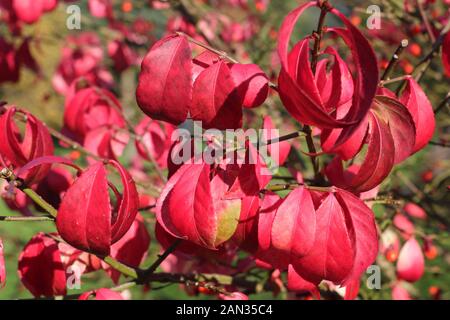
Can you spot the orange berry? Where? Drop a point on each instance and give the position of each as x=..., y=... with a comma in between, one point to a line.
x=75, y=155
x=431, y=252
x=260, y=6
x=355, y=20
x=427, y=176
x=391, y=255
x=384, y=63
x=205, y=291
x=415, y=49
x=273, y=34
x=127, y=6
x=408, y=67
x=434, y=290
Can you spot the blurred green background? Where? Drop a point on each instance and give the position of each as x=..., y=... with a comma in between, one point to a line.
x=37, y=95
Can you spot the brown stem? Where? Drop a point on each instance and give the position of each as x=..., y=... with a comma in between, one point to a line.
x=318, y=34
x=394, y=60
x=425, y=63
x=443, y=104
x=440, y=144
x=426, y=22
x=402, y=78
x=292, y=186
x=147, y=273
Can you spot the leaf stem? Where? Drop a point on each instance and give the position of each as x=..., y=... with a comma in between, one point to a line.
x=9, y=176
x=122, y=268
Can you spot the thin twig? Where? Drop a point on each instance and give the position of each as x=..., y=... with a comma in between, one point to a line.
x=220, y=53
x=444, y=103
x=384, y=82
x=318, y=34
x=292, y=186
x=440, y=144
x=426, y=22
x=161, y=259
x=19, y=218
x=394, y=60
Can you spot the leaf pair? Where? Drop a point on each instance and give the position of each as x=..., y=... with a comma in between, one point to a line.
x=86, y=218
x=323, y=235
x=192, y=207
x=204, y=205
x=325, y=100
x=393, y=130
x=173, y=86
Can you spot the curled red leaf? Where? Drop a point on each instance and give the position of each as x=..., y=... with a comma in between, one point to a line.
x=18, y=149
x=41, y=253
x=86, y=219
x=164, y=90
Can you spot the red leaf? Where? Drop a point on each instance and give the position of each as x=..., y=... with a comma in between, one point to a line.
x=28, y=11
x=391, y=137
x=41, y=254
x=400, y=293
x=155, y=140
x=46, y=160
x=85, y=219
x=132, y=248
x=352, y=289
x=215, y=100
x=185, y=209
x=19, y=149
x=164, y=89
x=269, y=206
x=89, y=109
x=294, y=225
x=410, y=264
x=362, y=231
x=332, y=255
x=421, y=111
x=415, y=211
x=401, y=125
x=246, y=235
x=297, y=85
x=278, y=151
x=233, y=296
x=298, y=284
x=251, y=82
x=252, y=177
x=404, y=225
x=345, y=241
